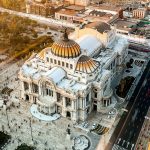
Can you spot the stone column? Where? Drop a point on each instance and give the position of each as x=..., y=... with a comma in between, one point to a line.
x=40, y=91
x=22, y=90
x=30, y=87
x=63, y=107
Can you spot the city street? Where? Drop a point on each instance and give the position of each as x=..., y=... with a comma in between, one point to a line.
x=127, y=131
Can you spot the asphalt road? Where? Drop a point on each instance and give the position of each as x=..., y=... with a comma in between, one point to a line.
x=129, y=126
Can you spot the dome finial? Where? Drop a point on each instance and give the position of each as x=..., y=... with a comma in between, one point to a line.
x=65, y=35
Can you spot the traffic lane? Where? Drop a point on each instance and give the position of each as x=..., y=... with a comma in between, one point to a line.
x=115, y=136
x=135, y=126
x=132, y=111
x=139, y=115
x=131, y=137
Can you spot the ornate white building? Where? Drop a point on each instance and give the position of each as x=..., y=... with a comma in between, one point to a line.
x=73, y=78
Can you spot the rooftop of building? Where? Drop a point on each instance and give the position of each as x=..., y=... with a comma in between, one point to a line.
x=99, y=26
x=124, y=24
x=106, y=7
x=76, y=7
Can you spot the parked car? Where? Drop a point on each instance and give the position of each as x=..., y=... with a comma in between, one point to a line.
x=94, y=125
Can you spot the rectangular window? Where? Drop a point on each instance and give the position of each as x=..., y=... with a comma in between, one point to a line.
x=47, y=59
x=58, y=62
x=49, y=92
x=87, y=100
x=58, y=97
x=63, y=63
x=68, y=101
x=46, y=91
x=71, y=66
x=54, y=61
x=95, y=95
x=35, y=88
x=67, y=65
x=26, y=86
x=51, y=60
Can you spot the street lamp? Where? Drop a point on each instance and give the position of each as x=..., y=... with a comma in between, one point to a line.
x=7, y=118
x=5, y=103
x=30, y=128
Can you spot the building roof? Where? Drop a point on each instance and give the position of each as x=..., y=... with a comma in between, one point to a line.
x=56, y=74
x=99, y=26
x=71, y=85
x=76, y=7
x=89, y=43
x=86, y=65
x=125, y=25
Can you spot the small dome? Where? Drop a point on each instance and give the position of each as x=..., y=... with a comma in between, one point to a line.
x=66, y=48
x=86, y=64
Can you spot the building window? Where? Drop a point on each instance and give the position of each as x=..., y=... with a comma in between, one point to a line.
x=35, y=88
x=58, y=62
x=47, y=59
x=49, y=92
x=63, y=63
x=87, y=100
x=55, y=61
x=95, y=95
x=68, y=114
x=67, y=65
x=26, y=86
x=58, y=97
x=46, y=91
x=51, y=60
x=68, y=102
x=71, y=66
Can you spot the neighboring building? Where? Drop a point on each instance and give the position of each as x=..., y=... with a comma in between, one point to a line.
x=101, y=30
x=140, y=13
x=74, y=78
x=80, y=15
x=124, y=26
x=79, y=2
x=72, y=14
x=43, y=7
x=122, y=2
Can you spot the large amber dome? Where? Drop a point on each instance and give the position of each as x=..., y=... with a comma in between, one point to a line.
x=66, y=48
x=86, y=64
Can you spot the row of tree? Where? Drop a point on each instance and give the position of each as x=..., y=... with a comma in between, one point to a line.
x=16, y=31
x=18, y=5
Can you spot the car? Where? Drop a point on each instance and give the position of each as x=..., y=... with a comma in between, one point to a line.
x=49, y=33
x=110, y=113
x=85, y=125
x=94, y=125
x=108, y=116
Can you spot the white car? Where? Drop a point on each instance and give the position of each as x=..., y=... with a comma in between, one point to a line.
x=94, y=125
x=85, y=125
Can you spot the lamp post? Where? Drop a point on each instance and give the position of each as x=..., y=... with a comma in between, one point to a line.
x=30, y=128
x=5, y=103
x=7, y=118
